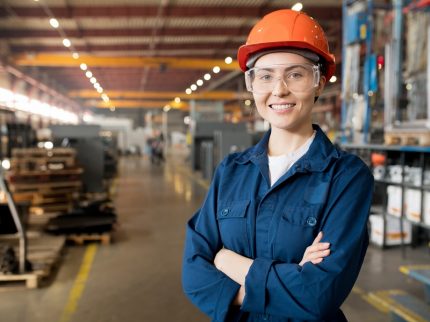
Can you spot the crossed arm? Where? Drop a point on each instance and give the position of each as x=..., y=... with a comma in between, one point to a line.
x=237, y=266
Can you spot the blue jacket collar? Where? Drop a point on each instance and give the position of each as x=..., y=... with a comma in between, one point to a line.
x=319, y=156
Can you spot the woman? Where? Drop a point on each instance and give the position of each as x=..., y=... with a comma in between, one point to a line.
x=282, y=233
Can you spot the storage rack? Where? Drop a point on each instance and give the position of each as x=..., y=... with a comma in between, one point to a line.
x=422, y=154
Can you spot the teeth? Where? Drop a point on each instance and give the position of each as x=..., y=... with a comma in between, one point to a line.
x=282, y=107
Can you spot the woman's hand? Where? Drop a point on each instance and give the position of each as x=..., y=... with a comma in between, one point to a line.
x=233, y=265
x=316, y=252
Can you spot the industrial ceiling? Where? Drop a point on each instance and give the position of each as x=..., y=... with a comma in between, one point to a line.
x=142, y=53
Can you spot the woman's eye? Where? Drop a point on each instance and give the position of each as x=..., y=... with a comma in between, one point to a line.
x=295, y=75
x=265, y=77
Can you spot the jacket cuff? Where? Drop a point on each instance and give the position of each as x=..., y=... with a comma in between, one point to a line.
x=255, y=286
x=228, y=293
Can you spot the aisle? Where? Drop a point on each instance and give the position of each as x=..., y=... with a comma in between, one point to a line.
x=137, y=278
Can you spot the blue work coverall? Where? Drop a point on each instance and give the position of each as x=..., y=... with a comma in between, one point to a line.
x=326, y=190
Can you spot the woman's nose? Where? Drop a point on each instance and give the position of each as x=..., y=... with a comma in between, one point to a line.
x=280, y=88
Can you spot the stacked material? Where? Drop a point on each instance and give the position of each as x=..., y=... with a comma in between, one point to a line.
x=48, y=178
x=97, y=217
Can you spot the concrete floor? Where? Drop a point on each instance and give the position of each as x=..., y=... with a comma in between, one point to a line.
x=137, y=278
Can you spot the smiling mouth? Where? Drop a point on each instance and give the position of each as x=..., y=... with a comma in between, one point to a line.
x=281, y=107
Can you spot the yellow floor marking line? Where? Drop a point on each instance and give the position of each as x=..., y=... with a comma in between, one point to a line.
x=365, y=296
x=79, y=284
x=405, y=269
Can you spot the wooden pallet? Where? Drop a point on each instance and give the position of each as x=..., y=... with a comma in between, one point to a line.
x=80, y=239
x=43, y=251
x=44, y=186
x=51, y=208
x=420, y=138
x=40, y=152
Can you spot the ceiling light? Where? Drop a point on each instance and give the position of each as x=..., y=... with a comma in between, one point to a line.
x=199, y=82
x=333, y=79
x=66, y=42
x=112, y=109
x=228, y=60
x=297, y=7
x=188, y=91
x=166, y=108
x=89, y=74
x=216, y=69
x=248, y=102
x=207, y=76
x=193, y=87
x=96, y=85
x=177, y=100
x=93, y=80
x=100, y=89
x=75, y=55
x=54, y=23
x=83, y=66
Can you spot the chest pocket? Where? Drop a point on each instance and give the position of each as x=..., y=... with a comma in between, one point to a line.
x=297, y=229
x=232, y=223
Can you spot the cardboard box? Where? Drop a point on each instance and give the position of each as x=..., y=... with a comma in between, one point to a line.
x=392, y=234
x=394, y=203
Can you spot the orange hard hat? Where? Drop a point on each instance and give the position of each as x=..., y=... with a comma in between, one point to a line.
x=287, y=28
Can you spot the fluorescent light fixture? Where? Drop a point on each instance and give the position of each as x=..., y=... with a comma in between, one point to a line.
x=54, y=23
x=297, y=7
x=66, y=42
x=5, y=164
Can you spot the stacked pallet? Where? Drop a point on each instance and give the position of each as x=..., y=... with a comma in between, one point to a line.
x=48, y=178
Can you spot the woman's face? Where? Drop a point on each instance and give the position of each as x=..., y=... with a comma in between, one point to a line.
x=286, y=97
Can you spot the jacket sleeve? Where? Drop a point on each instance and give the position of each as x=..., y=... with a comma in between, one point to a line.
x=207, y=287
x=314, y=292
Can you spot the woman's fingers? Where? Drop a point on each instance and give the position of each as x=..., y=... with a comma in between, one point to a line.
x=315, y=253
x=318, y=238
x=318, y=247
x=319, y=254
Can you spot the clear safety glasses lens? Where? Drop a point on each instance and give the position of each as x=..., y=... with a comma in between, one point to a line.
x=297, y=77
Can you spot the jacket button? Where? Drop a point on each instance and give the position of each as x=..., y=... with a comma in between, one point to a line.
x=311, y=221
x=224, y=212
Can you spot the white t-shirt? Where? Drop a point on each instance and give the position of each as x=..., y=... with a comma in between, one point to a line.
x=279, y=165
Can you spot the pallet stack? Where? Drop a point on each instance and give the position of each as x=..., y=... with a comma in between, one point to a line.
x=49, y=179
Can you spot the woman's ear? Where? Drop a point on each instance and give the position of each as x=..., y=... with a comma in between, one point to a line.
x=321, y=85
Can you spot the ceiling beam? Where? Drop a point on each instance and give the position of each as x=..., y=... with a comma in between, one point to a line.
x=196, y=47
x=216, y=95
x=135, y=104
x=126, y=32
x=51, y=60
x=320, y=12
